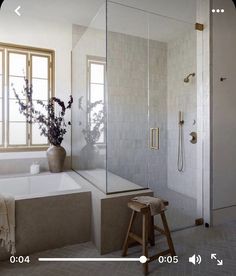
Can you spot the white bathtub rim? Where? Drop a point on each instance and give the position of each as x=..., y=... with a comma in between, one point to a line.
x=82, y=187
x=51, y=194
x=21, y=175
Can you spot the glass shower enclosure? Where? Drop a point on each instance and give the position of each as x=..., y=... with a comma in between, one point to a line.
x=128, y=71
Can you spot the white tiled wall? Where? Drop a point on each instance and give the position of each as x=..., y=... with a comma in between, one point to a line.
x=181, y=96
x=158, y=114
x=131, y=89
x=134, y=66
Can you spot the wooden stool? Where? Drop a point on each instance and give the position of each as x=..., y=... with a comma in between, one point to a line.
x=148, y=228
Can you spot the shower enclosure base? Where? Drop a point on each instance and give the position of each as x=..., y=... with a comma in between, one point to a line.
x=116, y=183
x=110, y=217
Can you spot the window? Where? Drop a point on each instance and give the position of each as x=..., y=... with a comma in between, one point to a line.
x=96, y=90
x=16, y=64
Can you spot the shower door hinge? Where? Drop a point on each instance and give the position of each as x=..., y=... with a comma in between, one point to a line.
x=199, y=27
x=199, y=221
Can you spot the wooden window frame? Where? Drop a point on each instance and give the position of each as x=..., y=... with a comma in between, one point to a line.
x=3, y=96
x=29, y=52
x=95, y=60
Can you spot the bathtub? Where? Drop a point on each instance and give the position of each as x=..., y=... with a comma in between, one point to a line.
x=39, y=185
x=52, y=210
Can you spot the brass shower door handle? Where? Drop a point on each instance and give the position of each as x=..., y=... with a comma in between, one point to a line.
x=154, y=138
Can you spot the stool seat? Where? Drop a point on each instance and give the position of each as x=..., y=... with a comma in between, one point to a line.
x=142, y=208
x=138, y=207
x=148, y=228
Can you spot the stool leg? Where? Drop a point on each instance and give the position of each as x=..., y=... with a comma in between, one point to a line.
x=145, y=241
x=126, y=242
x=168, y=235
x=151, y=230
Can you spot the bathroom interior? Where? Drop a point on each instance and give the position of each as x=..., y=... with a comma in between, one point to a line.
x=140, y=76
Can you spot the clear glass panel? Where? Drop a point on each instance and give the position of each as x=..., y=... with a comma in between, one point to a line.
x=148, y=57
x=1, y=94
x=37, y=139
x=17, y=134
x=97, y=73
x=1, y=101
x=101, y=140
x=1, y=106
x=97, y=92
x=127, y=80
x=94, y=116
x=18, y=83
x=14, y=113
x=1, y=133
x=39, y=67
x=1, y=58
x=17, y=64
x=172, y=56
x=40, y=89
x=89, y=158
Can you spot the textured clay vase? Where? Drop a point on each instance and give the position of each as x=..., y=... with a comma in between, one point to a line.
x=56, y=157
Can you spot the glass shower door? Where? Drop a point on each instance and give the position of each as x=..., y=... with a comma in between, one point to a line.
x=135, y=73
x=149, y=58
x=172, y=57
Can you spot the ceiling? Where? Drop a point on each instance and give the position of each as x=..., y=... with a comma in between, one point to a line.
x=82, y=11
x=72, y=11
x=177, y=17
x=147, y=25
x=179, y=9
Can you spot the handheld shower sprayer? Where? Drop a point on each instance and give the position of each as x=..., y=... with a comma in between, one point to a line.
x=187, y=79
x=180, y=162
x=181, y=120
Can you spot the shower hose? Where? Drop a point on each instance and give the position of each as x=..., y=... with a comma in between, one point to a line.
x=180, y=162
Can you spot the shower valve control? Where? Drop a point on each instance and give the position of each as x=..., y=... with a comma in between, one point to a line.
x=194, y=137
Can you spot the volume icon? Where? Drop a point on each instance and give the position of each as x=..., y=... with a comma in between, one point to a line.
x=195, y=259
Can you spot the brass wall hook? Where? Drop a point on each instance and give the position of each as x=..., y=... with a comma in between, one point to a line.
x=223, y=79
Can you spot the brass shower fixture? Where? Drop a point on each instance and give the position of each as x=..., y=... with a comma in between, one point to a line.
x=188, y=77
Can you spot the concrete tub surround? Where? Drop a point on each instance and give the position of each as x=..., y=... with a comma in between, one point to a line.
x=71, y=212
x=110, y=216
x=115, y=218
x=48, y=221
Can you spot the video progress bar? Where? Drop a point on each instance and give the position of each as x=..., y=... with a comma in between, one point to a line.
x=142, y=259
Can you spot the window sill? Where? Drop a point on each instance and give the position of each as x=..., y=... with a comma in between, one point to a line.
x=24, y=149
x=22, y=154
